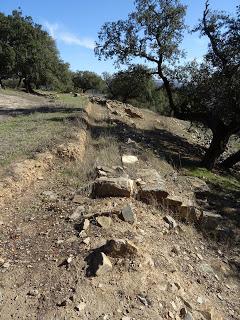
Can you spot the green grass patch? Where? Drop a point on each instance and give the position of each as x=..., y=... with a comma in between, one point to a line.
x=22, y=136
x=223, y=181
x=69, y=99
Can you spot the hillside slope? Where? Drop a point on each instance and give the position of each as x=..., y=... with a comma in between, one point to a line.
x=109, y=222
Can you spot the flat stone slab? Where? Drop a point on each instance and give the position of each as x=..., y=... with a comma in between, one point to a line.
x=173, y=201
x=104, y=187
x=151, y=186
x=129, y=159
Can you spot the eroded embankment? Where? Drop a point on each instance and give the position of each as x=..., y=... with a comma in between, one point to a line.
x=21, y=175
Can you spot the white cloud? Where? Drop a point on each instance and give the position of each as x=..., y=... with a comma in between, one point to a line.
x=68, y=38
x=52, y=28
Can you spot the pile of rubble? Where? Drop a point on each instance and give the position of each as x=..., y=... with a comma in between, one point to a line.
x=118, y=108
x=145, y=186
x=148, y=186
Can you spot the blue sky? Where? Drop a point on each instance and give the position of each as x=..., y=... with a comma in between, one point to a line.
x=75, y=24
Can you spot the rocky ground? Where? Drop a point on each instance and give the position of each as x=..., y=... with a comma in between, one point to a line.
x=111, y=227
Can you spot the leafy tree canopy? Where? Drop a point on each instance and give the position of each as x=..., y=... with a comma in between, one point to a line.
x=135, y=82
x=209, y=91
x=87, y=80
x=28, y=52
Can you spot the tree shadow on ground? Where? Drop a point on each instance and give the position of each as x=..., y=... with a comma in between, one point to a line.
x=180, y=153
x=40, y=109
x=173, y=148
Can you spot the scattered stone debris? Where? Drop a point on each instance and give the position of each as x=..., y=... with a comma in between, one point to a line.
x=133, y=113
x=85, y=225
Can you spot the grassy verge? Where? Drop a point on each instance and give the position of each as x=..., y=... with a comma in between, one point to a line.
x=40, y=127
x=22, y=136
x=222, y=181
x=69, y=99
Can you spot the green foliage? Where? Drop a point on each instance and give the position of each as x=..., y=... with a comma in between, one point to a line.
x=28, y=52
x=135, y=82
x=153, y=32
x=87, y=80
x=223, y=181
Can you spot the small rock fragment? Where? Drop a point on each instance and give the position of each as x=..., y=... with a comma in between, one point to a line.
x=82, y=234
x=33, y=292
x=127, y=214
x=85, y=224
x=104, y=264
x=6, y=265
x=112, y=187
x=77, y=198
x=77, y=213
x=81, y=306
x=104, y=222
x=144, y=300
x=129, y=159
x=200, y=300
x=120, y=248
x=1, y=262
x=170, y=221
x=176, y=249
x=87, y=241
x=185, y=314
x=62, y=303
x=49, y=194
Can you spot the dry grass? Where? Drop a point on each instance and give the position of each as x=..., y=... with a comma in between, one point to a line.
x=102, y=151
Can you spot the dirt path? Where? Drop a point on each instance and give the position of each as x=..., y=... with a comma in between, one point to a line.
x=176, y=274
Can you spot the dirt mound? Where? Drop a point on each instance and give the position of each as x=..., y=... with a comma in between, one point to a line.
x=74, y=150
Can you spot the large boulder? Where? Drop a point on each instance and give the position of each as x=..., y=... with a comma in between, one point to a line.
x=151, y=186
x=104, y=187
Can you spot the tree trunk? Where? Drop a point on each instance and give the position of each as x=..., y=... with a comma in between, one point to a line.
x=231, y=160
x=19, y=82
x=28, y=86
x=1, y=84
x=167, y=87
x=217, y=147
